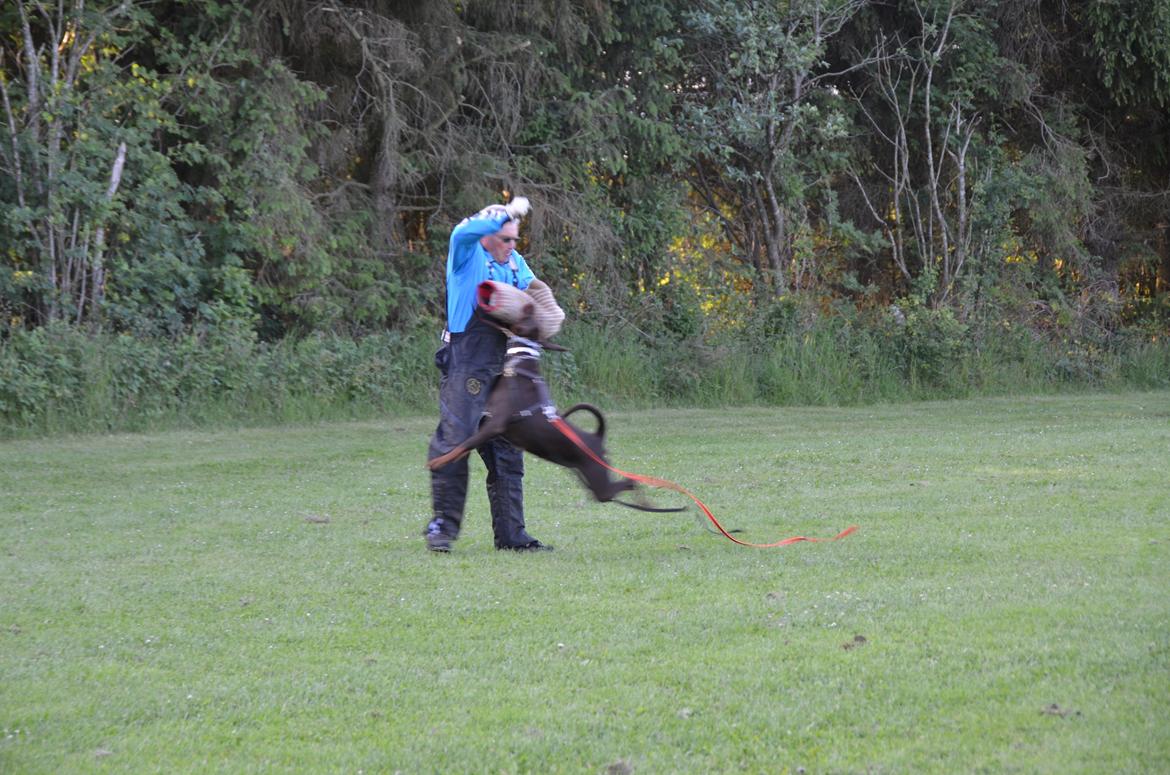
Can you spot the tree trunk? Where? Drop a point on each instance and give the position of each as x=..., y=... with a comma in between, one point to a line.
x=1162, y=277
x=98, y=259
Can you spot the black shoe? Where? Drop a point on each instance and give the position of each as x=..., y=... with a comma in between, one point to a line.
x=438, y=540
x=531, y=546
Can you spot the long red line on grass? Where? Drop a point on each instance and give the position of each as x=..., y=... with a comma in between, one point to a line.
x=654, y=481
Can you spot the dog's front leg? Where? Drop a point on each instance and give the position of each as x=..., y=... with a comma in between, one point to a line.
x=489, y=429
x=436, y=463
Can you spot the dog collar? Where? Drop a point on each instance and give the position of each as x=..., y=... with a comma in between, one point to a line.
x=530, y=352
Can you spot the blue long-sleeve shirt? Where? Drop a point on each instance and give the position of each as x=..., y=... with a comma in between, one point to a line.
x=468, y=265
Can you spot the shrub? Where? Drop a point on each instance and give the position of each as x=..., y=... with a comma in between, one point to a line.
x=61, y=379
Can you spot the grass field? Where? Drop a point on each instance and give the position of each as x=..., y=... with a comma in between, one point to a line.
x=259, y=600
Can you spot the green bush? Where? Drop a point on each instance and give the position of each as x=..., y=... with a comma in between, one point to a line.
x=43, y=369
x=928, y=342
x=58, y=378
x=1145, y=363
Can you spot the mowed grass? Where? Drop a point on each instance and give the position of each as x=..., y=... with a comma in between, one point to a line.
x=260, y=600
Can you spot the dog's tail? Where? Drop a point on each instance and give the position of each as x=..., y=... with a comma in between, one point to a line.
x=593, y=410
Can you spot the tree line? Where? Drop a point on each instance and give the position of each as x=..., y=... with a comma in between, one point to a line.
x=295, y=166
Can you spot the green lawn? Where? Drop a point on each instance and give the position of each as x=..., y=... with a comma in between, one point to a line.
x=260, y=600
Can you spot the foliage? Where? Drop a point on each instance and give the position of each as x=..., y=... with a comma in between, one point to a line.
x=1130, y=39
x=766, y=129
x=57, y=378
x=72, y=114
x=189, y=170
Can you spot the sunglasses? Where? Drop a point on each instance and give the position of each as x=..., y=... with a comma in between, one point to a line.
x=507, y=239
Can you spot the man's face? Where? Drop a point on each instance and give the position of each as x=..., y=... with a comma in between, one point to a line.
x=501, y=244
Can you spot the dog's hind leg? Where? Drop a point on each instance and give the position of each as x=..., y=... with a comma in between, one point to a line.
x=596, y=479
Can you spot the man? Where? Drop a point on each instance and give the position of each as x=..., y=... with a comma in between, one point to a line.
x=482, y=247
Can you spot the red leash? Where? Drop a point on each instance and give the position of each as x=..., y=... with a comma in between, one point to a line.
x=572, y=436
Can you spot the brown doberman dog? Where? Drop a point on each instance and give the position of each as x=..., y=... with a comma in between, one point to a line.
x=519, y=409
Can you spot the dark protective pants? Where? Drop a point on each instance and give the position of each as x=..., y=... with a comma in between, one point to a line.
x=467, y=366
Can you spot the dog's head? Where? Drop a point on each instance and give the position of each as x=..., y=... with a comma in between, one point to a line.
x=525, y=324
x=526, y=327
